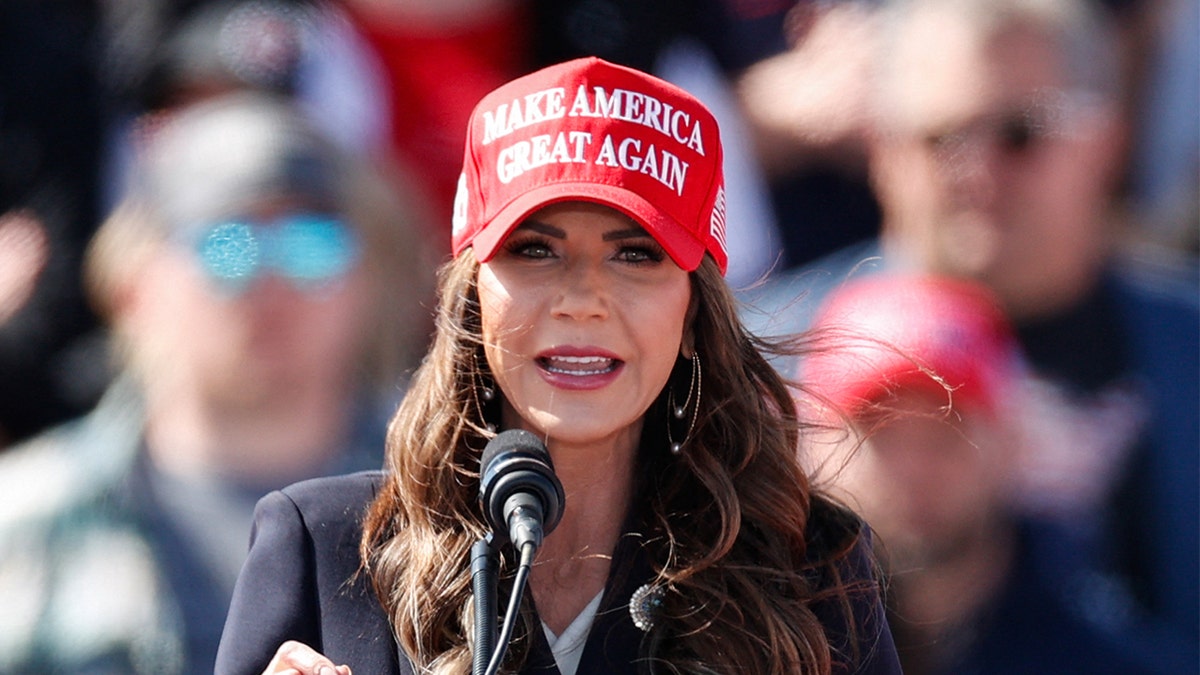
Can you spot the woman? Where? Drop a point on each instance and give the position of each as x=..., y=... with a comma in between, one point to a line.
x=585, y=304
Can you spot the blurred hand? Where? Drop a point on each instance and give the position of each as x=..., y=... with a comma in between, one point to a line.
x=812, y=101
x=296, y=658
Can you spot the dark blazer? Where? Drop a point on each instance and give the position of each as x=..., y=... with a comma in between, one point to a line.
x=300, y=582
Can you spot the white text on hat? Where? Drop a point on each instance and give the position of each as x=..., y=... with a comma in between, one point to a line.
x=618, y=104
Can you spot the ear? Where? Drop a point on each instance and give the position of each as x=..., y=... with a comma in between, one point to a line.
x=687, y=349
x=130, y=293
x=127, y=301
x=116, y=257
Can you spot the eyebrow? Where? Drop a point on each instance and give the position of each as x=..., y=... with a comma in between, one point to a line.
x=549, y=230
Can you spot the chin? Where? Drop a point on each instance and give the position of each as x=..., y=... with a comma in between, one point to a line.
x=578, y=430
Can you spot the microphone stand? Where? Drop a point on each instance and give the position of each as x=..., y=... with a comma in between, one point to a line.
x=489, y=650
x=483, y=582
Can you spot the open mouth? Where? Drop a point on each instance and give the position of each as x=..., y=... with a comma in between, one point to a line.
x=578, y=366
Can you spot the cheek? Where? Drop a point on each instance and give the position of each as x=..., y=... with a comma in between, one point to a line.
x=667, y=327
x=173, y=304
x=659, y=321
x=337, y=322
x=1077, y=189
x=500, y=321
x=170, y=321
x=495, y=305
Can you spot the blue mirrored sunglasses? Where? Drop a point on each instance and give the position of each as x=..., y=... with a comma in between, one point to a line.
x=308, y=249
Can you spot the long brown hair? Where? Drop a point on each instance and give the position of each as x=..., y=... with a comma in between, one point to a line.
x=727, y=516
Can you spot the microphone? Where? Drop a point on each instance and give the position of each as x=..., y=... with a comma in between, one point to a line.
x=520, y=496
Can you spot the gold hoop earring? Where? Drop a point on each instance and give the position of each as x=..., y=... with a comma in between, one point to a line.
x=680, y=411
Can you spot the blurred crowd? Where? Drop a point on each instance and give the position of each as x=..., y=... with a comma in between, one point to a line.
x=220, y=221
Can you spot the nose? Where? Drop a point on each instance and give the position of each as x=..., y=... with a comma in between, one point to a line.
x=584, y=293
x=970, y=169
x=270, y=292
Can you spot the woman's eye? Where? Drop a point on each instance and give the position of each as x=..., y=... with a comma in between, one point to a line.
x=640, y=254
x=537, y=251
x=530, y=249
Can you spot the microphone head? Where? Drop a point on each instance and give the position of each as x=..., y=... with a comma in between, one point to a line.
x=516, y=461
x=517, y=441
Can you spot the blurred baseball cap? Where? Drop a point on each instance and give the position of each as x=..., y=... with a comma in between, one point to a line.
x=886, y=333
x=594, y=131
x=219, y=158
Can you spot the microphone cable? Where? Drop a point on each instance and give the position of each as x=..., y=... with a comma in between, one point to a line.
x=520, y=581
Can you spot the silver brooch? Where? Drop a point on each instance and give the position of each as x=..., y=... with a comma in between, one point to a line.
x=644, y=605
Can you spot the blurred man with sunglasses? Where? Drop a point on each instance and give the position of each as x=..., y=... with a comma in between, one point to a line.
x=265, y=297
x=995, y=155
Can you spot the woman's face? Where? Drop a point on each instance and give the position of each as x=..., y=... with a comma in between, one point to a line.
x=583, y=317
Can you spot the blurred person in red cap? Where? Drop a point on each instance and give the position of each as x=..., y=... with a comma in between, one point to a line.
x=924, y=369
x=264, y=293
x=585, y=307
x=995, y=155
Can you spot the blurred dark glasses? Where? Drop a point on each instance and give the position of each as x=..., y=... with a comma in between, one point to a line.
x=1050, y=114
x=310, y=250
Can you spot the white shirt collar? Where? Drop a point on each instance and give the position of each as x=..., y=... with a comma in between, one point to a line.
x=568, y=647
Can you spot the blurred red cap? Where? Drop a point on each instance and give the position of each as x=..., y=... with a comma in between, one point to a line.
x=890, y=332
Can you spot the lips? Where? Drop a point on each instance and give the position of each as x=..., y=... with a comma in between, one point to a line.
x=580, y=366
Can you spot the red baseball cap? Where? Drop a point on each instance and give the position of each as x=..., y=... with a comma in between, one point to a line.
x=594, y=131
x=887, y=332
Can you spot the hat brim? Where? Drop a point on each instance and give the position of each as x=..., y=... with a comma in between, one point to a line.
x=683, y=248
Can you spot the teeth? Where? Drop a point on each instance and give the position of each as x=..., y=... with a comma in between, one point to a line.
x=579, y=359
x=578, y=365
